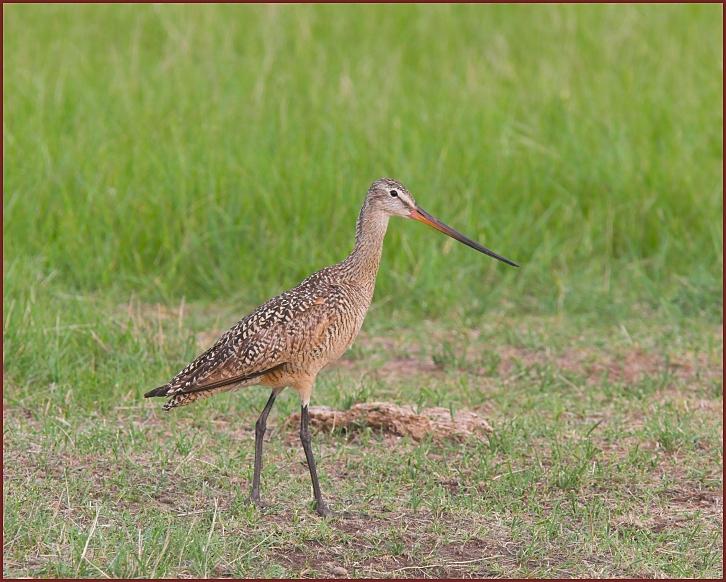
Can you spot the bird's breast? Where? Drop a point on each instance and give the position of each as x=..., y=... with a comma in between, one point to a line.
x=342, y=315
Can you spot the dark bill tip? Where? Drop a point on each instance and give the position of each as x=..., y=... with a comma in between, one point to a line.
x=423, y=216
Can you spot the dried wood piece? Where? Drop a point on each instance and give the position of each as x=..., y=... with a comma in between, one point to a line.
x=400, y=420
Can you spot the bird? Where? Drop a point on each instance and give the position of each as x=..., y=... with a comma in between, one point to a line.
x=288, y=340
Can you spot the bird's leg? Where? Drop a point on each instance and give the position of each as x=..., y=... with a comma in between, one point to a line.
x=260, y=428
x=320, y=505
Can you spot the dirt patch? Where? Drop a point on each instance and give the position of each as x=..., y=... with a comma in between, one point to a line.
x=438, y=423
x=596, y=365
x=394, y=369
x=688, y=402
x=593, y=365
x=636, y=365
x=408, y=367
x=682, y=504
x=311, y=560
x=469, y=557
x=694, y=499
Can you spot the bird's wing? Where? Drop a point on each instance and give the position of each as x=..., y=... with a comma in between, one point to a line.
x=228, y=381
x=267, y=338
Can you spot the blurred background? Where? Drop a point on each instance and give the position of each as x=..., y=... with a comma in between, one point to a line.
x=222, y=152
x=167, y=168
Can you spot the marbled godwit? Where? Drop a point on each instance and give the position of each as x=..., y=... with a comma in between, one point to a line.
x=288, y=340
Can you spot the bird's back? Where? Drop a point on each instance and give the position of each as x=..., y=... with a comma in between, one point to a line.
x=298, y=331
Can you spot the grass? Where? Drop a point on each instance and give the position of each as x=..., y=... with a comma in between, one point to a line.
x=167, y=168
x=177, y=142
x=606, y=459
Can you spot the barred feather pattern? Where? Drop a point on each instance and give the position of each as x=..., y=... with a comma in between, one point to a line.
x=296, y=333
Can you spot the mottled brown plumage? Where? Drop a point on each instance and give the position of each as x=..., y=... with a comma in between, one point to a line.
x=290, y=338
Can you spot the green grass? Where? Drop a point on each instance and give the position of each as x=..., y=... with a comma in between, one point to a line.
x=606, y=457
x=219, y=151
x=167, y=168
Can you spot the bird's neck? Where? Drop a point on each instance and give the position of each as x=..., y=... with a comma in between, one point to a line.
x=370, y=230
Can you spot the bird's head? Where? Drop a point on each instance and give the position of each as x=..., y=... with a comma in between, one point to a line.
x=392, y=197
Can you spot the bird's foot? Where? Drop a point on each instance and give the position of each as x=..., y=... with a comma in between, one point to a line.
x=323, y=510
x=257, y=502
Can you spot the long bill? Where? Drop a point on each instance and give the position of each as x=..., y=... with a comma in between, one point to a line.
x=423, y=216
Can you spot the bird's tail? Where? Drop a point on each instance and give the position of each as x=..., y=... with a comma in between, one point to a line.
x=183, y=399
x=160, y=391
x=187, y=395
x=180, y=398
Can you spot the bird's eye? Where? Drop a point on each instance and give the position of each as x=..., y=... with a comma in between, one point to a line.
x=394, y=193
